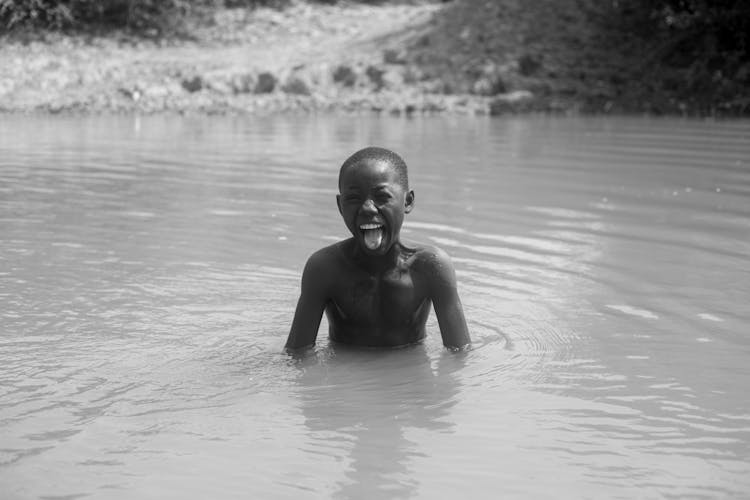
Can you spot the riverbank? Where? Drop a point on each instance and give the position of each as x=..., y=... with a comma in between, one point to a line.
x=474, y=57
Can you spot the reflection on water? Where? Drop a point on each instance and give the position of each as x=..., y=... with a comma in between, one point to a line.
x=360, y=408
x=149, y=268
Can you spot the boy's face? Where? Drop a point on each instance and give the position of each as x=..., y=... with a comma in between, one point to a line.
x=373, y=203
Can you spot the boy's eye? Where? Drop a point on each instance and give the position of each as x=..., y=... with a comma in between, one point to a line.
x=352, y=198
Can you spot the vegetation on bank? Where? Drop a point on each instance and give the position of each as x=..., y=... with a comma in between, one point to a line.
x=144, y=17
x=655, y=56
x=695, y=53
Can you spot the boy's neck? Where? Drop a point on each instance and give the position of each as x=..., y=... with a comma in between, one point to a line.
x=376, y=264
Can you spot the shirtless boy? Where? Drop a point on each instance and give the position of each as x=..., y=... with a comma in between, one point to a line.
x=377, y=290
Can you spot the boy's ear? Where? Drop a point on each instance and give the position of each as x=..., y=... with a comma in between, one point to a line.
x=409, y=202
x=338, y=203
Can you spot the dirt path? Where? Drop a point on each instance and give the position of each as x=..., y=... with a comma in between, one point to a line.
x=299, y=49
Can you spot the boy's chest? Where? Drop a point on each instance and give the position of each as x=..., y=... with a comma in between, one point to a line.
x=394, y=297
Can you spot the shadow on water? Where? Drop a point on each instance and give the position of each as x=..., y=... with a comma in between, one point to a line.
x=369, y=400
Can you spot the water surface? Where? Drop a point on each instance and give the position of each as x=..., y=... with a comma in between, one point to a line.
x=149, y=269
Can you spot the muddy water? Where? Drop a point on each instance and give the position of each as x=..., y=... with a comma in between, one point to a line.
x=149, y=269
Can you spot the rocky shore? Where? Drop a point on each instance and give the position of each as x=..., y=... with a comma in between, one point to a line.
x=464, y=56
x=307, y=57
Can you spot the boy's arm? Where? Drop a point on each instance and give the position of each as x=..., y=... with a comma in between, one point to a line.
x=310, y=306
x=447, y=304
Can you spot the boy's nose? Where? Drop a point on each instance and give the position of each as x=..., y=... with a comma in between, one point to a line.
x=369, y=206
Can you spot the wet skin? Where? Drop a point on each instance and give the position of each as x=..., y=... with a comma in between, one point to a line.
x=377, y=294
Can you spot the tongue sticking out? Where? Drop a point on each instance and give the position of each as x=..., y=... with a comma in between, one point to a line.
x=373, y=238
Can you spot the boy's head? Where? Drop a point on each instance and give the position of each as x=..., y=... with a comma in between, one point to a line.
x=378, y=154
x=373, y=197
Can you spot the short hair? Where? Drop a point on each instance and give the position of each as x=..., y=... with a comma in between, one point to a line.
x=379, y=154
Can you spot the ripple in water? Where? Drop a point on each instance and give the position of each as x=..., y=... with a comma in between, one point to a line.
x=149, y=268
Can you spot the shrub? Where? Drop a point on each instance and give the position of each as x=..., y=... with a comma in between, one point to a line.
x=134, y=15
x=64, y=14
x=695, y=52
x=683, y=27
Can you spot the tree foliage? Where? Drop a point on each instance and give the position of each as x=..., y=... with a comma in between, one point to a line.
x=136, y=15
x=719, y=26
x=61, y=14
x=693, y=50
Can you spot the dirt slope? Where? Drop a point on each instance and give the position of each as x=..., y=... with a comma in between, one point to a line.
x=293, y=53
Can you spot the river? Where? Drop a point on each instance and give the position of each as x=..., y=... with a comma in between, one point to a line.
x=149, y=269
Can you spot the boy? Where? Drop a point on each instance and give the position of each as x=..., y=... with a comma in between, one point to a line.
x=375, y=289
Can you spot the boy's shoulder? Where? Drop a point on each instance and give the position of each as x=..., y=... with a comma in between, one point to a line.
x=430, y=258
x=429, y=252
x=332, y=251
x=322, y=267
x=326, y=256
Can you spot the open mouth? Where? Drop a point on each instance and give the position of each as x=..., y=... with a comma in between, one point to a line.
x=373, y=235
